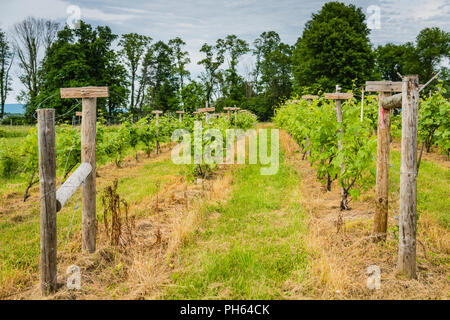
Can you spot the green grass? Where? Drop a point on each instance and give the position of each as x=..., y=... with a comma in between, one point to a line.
x=252, y=248
x=14, y=131
x=19, y=241
x=433, y=188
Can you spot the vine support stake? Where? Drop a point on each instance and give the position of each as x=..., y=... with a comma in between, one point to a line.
x=180, y=116
x=408, y=178
x=384, y=89
x=157, y=113
x=338, y=96
x=47, y=180
x=89, y=97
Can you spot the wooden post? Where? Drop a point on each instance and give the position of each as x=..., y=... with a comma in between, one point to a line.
x=180, y=116
x=228, y=110
x=382, y=178
x=89, y=97
x=362, y=104
x=88, y=154
x=47, y=180
x=408, y=178
x=384, y=89
x=338, y=96
x=71, y=185
x=157, y=113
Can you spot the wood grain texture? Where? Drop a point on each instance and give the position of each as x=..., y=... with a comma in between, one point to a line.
x=84, y=92
x=212, y=109
x=384, y=86
x=71, y=185
x=392, y=102
x=382, y=178
x=310, y=97
x=47, y=181
x=88, y=154
x=408, y=178
x=338, y=96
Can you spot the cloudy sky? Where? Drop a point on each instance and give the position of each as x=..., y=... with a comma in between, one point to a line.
x=200, y=21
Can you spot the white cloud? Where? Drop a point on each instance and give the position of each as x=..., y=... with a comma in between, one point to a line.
x=200, y=21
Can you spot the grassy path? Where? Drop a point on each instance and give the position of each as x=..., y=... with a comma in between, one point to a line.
x=252, y=247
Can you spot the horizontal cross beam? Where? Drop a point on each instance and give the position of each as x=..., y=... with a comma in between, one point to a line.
x=212, y=109
x=385, y=86
x=392, y=102
x=338, y=96
x=84, y=92
x=310, y=97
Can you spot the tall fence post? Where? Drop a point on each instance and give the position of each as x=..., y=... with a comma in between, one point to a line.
x=47, y=180
x=88, y=154
x=408, y=178
x=89, y=97
x=382, y=178
x=384, y=89
x=157, y=113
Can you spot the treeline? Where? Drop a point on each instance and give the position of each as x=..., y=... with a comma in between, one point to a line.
x=146, y=74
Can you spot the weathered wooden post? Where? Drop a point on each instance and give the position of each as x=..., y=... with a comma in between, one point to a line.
x=79, y=115
x=228, y=110
x=47, y=180
x=180, y=115
x=206, y=112
x=157, y=113
x=89, y=97
x=362, y=104
x=338, y=96
x=384, y=89
x=408, y=178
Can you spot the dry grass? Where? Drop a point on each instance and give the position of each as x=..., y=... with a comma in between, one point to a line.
x=339, y=259
x=140, y=270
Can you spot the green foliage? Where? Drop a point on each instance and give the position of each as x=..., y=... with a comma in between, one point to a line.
x=243, y=120
x=193, y=96
x=6, y=60
x=316, y=130
x=434, y=123
x=423, y=57
x=333, y=49
x=82, y=57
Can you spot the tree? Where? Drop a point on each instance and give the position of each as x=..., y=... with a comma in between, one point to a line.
x=83, y=57
x=213, y=60
x=265, y=44
x=333, y=49
x=30, y=35
x=391, y=60
x=159, y=83
x=233, y=48
x=181, y=60
x=6, y=60
x=272, y=74
x=133, y=47
x=192, y=96
x=432, y=45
